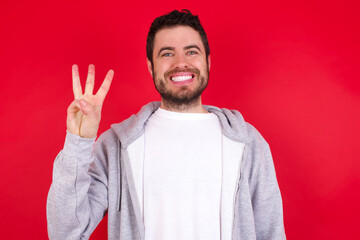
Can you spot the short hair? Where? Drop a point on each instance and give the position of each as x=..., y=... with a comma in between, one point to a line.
x=173, y=19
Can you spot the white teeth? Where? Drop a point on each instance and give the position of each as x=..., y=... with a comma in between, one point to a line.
x=181, y=78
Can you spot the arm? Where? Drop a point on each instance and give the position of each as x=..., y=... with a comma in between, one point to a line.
x=77, y=200
x=265, y=193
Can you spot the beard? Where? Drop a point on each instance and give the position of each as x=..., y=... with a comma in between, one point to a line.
x=184, y=97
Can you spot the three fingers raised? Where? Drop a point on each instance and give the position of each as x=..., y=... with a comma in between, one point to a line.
x=90, y=82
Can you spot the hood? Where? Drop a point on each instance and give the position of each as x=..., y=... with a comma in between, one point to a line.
x=233, y=124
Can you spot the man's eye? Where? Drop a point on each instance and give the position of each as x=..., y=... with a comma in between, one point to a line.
x=166, y=54
x=192, y=52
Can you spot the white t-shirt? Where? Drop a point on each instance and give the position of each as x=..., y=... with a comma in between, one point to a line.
x=182, y=174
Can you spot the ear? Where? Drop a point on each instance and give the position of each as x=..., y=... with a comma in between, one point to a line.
x=209, y=62
x=149, y=67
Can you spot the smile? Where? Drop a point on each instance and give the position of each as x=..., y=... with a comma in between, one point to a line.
x=181, y=78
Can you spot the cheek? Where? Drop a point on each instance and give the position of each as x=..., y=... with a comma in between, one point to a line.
x=161, y=70
x=200, y=64
x=161, y=66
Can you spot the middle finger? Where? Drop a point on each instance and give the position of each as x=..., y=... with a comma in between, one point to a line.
x=89, y=86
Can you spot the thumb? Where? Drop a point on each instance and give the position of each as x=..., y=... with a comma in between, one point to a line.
x=86, y=108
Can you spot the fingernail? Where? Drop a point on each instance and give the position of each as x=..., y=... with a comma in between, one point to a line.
x=82, y=103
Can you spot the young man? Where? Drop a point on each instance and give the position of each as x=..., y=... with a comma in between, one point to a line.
x=175, y=170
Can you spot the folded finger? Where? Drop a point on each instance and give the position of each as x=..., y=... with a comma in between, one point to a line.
x=74, y=106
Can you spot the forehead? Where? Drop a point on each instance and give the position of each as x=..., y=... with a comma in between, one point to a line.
x=178, y=36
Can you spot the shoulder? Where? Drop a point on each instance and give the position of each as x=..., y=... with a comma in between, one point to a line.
x=236, y=128
x=254, y=136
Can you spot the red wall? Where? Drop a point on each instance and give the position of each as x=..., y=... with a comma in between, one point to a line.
x=291, y=68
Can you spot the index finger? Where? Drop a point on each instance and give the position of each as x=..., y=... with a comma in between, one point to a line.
x=76, y=82
x=105, y=86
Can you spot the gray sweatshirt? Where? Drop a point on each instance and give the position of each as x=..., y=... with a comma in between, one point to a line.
x=92, y=178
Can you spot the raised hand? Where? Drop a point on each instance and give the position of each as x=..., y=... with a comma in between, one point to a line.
x=84, y=113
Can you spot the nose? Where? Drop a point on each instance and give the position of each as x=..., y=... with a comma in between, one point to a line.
x=180, y=61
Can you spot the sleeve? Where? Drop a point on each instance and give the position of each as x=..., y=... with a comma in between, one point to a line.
x=77, y=199
x=265, y=193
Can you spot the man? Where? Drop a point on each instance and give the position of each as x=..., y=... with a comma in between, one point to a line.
x=175, y=170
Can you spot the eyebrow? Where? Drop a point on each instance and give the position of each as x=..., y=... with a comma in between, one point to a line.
x=165, y=48
x=185, y=48
x=192, y=46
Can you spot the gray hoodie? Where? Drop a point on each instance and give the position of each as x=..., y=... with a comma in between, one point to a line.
x=90, y=180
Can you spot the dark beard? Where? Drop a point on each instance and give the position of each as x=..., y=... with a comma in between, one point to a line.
x=183, y=99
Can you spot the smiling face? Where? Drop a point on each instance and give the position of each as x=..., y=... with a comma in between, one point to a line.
x=180, y=69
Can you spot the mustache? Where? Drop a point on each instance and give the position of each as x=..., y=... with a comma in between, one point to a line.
x=178, y=70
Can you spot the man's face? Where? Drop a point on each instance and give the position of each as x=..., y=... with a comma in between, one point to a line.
x=180, y=69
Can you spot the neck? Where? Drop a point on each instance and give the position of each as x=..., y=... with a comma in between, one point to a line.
x=192, y=107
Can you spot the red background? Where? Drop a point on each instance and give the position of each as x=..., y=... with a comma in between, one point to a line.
x=291, y=68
